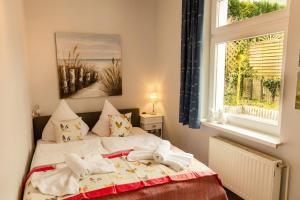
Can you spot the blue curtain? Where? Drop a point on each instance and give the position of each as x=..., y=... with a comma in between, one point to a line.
x=191, y=56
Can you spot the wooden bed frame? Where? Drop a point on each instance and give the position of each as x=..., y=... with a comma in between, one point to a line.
x=90, y=118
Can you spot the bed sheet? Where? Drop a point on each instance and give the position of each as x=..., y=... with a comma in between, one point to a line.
x=206, y=187
x=141, y=177
x=51, y=153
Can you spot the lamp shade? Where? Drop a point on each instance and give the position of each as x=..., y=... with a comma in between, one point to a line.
x=153, y=97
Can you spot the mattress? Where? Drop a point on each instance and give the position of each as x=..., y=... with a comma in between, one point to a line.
x=132, y=180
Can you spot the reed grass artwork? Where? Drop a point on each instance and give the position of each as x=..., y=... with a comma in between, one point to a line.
x=297, y=104
x=299, y=59
x=89, y=65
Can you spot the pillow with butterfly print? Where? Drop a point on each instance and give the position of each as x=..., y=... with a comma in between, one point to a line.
x=68, y=130
x=120, y=125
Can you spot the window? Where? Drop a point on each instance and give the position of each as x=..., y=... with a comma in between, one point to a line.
x=230, y=11
x=248, y=48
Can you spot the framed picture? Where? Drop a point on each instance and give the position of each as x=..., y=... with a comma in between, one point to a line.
x=88, y=65
x=297, y=104
x=299, y=59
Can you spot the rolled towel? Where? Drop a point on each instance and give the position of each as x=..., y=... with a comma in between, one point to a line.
x=78, y=166
x=99, y=165
x=174, y=163
x=144, y=147
x=140, y=155
x=187, y=157
x=176, y=160
x=59, y=182
x=163, y=149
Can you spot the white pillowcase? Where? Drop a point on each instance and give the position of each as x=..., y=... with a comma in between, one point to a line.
x=61, y=113
x=101, y=128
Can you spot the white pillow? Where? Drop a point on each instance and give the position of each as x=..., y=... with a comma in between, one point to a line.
x=62, y=112
x=101, y=128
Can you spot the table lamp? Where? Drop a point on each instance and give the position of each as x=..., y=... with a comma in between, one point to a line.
x=153, y=97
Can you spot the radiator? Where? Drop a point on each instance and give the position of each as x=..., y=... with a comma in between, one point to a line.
x=248, y=173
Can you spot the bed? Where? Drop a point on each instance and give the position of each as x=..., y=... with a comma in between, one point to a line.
x=137, y=182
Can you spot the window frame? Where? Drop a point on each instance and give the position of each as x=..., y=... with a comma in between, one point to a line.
x=268, y=23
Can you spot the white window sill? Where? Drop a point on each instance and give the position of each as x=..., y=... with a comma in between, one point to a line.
x=269, y=140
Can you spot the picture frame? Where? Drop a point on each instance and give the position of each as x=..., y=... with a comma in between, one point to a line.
x=88, y=65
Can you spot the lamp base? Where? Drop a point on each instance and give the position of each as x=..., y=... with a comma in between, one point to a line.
x=153, y=113
x=153, y=109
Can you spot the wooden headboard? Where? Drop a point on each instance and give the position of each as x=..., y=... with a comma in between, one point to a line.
x=89, y=118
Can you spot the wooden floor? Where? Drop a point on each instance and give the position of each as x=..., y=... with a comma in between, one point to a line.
x=232, y=196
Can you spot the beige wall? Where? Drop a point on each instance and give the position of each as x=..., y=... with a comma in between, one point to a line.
x=134, y=20
x=196, y=141
x=150, y=32
x=15, y=116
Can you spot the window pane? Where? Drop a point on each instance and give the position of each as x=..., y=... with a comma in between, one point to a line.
x=249, y=76
x=230, y=11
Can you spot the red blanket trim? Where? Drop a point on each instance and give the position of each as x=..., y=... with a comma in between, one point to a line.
x=38, y=169
x=130, y=186
x=117, y=154
x=52, y=167
x=141, y=184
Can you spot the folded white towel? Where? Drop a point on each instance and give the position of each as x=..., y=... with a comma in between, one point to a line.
x=140, y=155
x=64, y=180
x=162, y=154
x=99, y=165
x=142, y=152
x=188, y=157
x=163, y=149
x=176, y=160
x=91, y=164
x=79, y=166
x=145, y=147
x=59, y=182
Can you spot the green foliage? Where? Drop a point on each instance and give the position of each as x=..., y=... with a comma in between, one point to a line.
x=234, y=52
x=273, y=85
x=230, y=99
x=239, y=10
x=238, y=69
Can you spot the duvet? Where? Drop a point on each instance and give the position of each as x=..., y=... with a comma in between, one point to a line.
x=132, y=180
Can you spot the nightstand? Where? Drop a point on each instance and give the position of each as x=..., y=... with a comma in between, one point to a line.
x=152, y=124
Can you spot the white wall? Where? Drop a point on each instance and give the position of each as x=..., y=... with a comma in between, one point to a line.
x=15, y=116
x=134, y=20
x=196, y=141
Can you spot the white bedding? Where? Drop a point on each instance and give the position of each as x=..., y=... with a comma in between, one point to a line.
x=113, y=144
x=50, y=153
x=138, y=137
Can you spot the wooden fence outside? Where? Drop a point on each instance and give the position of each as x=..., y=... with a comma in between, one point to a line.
x=265, y=57
x=253, y=111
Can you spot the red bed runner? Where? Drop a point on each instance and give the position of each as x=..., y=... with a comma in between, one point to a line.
x=130, y=186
